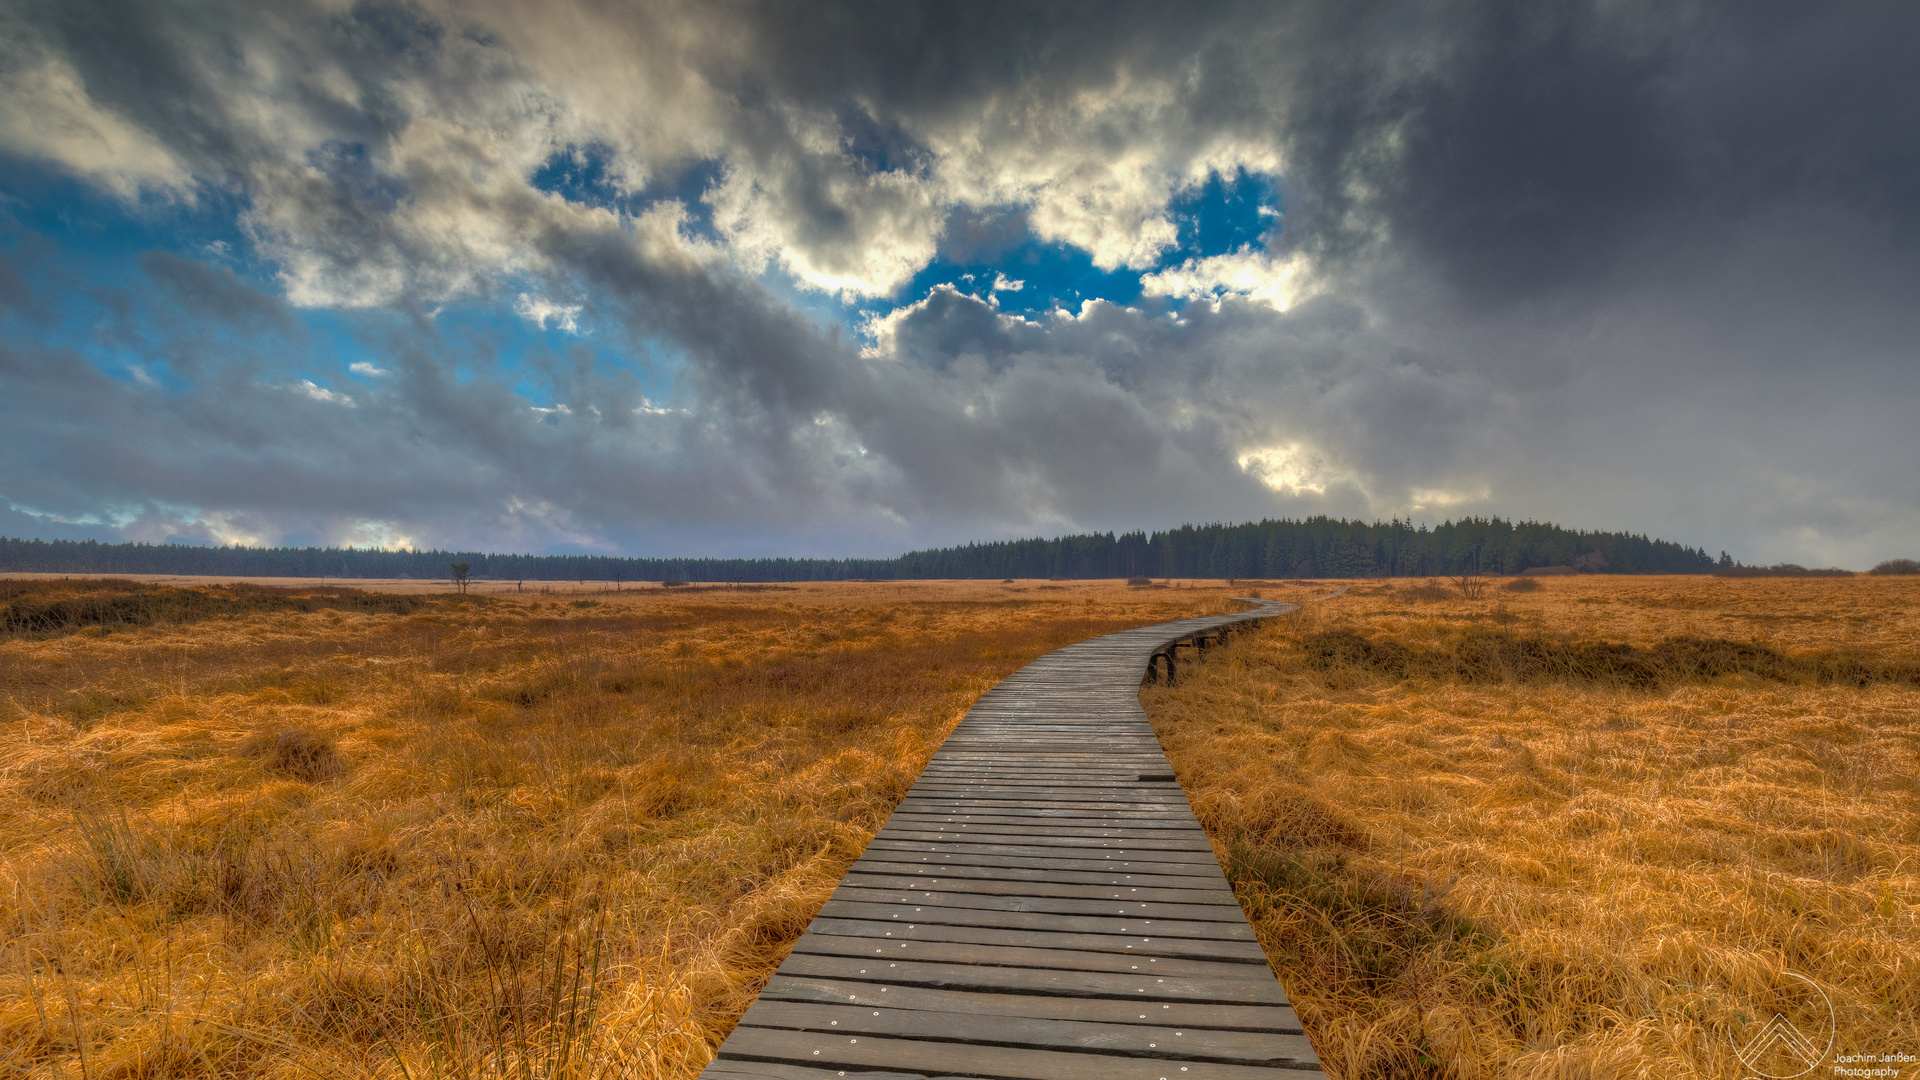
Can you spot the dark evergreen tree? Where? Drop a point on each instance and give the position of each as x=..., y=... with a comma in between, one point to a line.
x=1314, y=547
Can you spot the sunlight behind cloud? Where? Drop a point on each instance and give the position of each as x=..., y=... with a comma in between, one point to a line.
x=1291, y=468
x=1254, y=275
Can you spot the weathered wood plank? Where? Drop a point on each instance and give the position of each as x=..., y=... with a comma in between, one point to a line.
x=1238, y=951
x=1147, y=910
x=948, y=915
x=945, y=952
x=1184, y=1015
x=1134, y=1039
x=940, y=1058
x=1143, y=986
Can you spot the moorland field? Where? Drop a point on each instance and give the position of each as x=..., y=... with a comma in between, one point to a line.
x=1569, y=833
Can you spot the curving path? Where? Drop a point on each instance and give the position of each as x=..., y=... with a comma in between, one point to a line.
x=1041, y=906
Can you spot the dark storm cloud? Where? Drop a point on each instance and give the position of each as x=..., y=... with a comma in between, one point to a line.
x=1625, y=265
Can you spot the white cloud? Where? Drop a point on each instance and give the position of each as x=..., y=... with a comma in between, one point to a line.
x=1255, y=275
x=361, y=367
x=310, y=389
x=1002, y=283
x=830, y=223
x=541, y=311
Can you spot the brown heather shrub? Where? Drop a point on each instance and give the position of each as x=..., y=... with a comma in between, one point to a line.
x=1576, y=832
x=1523, y=584
x=49, y=607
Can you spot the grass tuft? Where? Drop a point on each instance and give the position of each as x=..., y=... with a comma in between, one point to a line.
x=294, y=752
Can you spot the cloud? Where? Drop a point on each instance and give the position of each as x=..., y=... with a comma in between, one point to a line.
x=1254, y=275
x=540, y=311
x=48, y=115
x=1620, y=264
x=309, y=389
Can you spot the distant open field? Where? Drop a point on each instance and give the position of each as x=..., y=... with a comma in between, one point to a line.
x=1569, y=833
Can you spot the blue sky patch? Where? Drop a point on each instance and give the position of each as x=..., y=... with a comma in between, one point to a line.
x=1225, y=214
x=1222, y=215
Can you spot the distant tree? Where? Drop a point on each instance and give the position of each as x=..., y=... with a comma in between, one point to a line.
x=1897, y=566
x=1726, y=561
x=460, y=572
x=1592, y=560
x=1471, y=584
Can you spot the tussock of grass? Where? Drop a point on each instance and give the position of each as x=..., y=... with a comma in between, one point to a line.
x=1466, y=867
x=294, y=752
x=513, y=839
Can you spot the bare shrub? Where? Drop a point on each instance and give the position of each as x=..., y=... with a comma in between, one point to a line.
x=1430, y=589
x=295, y=752
x=1471, y=584
x=1897, y=566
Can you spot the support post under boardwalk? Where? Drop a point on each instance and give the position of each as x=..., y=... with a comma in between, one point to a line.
x=1042, y=905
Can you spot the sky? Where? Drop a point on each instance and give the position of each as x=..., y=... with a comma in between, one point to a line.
x=848, y=279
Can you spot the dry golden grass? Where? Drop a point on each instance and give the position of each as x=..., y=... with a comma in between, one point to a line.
x=1468, y=863
x=544, y=836
x=570, y=835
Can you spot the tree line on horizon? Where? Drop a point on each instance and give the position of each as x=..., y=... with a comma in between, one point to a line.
x=1318, y=547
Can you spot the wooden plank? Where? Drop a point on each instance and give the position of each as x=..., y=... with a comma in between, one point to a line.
x=1144, y=986
x=1031, y=883
x=821, y=943
x=998, y=1062
x=1040, y=838
x=1147, y=910
x=1118, y=875
x=1238, y=951
x=1184, y=1015
x=1152, y=1040
x=1148, y=929
x=724, y=1069
x=942, y=845
x=1166, y=874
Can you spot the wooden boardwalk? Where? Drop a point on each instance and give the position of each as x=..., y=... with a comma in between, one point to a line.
x=1041, y=906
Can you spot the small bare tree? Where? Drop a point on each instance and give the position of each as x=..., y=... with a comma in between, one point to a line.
x=1471, y=584
x=460, y=572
